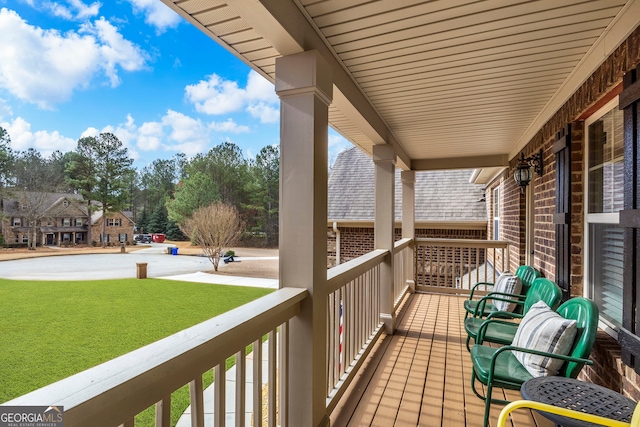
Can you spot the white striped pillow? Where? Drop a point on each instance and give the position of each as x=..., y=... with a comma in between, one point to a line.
x=509, y=284
x=544, y=330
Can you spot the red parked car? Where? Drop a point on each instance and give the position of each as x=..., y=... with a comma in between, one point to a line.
x=158, y=237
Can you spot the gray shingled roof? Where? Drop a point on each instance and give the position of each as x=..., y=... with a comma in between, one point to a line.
x=43, y=198
x=440, y=195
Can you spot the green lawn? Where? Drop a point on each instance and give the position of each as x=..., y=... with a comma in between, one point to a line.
x=50, y=330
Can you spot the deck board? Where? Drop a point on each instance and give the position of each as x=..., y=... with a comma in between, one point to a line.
x=421, y=375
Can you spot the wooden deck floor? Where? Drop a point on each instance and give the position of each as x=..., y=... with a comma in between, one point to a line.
x=421, y=375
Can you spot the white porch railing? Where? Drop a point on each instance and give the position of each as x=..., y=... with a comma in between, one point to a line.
x=453, y=265
x=353, y=319
x=113, y=393
x=402, y=271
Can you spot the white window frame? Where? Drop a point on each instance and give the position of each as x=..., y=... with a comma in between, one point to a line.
x=595, y=218
x=25, y=238
x=16, y=222
x=78, y=222
x=66, y=222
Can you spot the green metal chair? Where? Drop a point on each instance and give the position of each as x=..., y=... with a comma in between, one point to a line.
x=527, y=275
x=498, y=367
x=498, y=331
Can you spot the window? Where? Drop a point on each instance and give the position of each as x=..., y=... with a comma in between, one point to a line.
x=66, y=222
x=16, y=238
x=496, y=213
x=105, y=238
x=110, y=222
x=78, y=222
x=25, y=238
x=25, y=207
x=605, y=199
x=65, y=203
x=122, y=237
x=16, y=222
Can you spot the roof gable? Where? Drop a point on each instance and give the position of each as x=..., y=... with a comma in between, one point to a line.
x=439, y=195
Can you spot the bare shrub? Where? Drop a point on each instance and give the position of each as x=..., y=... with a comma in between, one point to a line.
x=215, y=228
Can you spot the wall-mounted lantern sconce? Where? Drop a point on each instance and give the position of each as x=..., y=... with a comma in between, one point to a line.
x=523, y=174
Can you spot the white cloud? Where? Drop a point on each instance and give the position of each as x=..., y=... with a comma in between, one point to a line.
x=228, y=126
x=157, y=14
x=5, y=110
x=44, y=67
x=175, y=131
x=220, y=96
x=90, y=131
x=216, y=96
x=46, y=142
x=115, y=51
x=264, y=112
x=75, y=10
x=260, y=89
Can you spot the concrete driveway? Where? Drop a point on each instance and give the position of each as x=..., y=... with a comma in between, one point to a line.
x=104, y=266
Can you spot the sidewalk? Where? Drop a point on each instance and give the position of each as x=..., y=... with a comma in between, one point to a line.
x=222, y=279
x=230, y=389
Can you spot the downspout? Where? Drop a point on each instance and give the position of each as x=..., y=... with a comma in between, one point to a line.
x=337, y=231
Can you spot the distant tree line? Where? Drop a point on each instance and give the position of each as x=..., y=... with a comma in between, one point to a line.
x=162, y=195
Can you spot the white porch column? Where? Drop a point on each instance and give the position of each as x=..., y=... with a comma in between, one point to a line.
x=384, y=158
x=303, y=83
x=409, y=221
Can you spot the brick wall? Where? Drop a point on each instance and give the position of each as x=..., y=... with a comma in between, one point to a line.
x=601, y=86
x=608, y=370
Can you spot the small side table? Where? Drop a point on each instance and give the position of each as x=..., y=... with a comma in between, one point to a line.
x=579, y=396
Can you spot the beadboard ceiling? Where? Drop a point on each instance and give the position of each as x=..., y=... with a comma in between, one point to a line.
x=451, y=83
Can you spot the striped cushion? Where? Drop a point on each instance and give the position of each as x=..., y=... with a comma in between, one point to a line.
x=544, y=330
x=509, y=284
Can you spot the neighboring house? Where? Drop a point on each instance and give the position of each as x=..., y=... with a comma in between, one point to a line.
x=447, y=205
x=60, y=218
x=118, y=228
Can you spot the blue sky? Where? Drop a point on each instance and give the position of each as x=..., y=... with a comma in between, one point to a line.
x=73, y=68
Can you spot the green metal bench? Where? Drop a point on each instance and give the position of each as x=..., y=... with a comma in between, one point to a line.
x=498, y=367
x=527, y=275
x=499, y=331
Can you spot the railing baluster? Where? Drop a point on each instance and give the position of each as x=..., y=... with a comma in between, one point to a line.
x=330, y=343
x=197, y=402
x=163, y=412
x=272, y=381
x=257, y=383
x=241, y=387
x=283, y=365
x=219, y=396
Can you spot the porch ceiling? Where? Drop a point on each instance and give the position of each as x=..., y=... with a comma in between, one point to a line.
x=451, y=83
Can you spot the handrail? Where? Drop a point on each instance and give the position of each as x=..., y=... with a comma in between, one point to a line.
x=468, y=243
x=347, y=271
x=111, y=393
x=401, y=244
